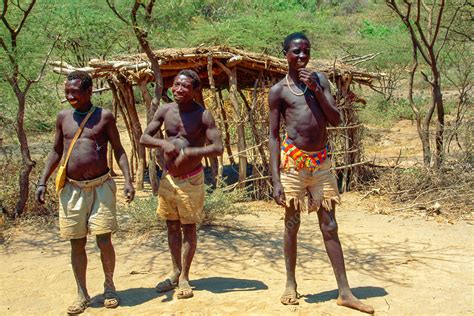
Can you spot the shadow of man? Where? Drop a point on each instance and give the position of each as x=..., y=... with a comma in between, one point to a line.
x=134, y=297
x=224, y=285
x=361, y=292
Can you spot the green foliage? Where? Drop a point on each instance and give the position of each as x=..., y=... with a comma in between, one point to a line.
x=141, y=216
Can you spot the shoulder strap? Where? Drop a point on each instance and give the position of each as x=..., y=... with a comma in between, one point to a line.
x=315, y=76
x=76, y=136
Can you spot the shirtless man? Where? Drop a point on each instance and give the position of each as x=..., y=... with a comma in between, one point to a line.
x=181, y=193
x=87, y=200
x=300, y=165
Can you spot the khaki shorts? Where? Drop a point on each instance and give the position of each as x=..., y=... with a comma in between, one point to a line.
x=320, y=186
x=87, y=207
x=182, y=199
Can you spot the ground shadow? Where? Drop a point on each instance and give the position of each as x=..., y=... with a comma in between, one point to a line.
x=220, y=285
x=361, y=292
x=134, y=297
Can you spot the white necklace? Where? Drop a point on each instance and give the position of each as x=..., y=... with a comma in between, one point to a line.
x=292, y=91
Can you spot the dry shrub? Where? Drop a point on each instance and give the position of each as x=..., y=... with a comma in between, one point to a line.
x=448, y=192
x=10, y=164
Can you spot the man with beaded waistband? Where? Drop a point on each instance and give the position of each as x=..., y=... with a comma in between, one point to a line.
x=87, y=200
x=301, y=165
x=181, y=194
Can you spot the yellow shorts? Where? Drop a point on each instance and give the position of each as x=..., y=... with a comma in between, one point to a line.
x=182, y=199
x=87, y=206
x=320, y=186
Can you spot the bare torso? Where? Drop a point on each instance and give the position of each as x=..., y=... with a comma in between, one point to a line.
x=88, y=159
x=304, y=119
x=184, y=129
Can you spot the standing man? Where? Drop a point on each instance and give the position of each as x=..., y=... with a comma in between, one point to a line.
x=300, y=165
x=87, y=200
x=181, y=195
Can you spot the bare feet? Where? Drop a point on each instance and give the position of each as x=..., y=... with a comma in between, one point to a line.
x=184, y=290
x=290, y=296
x=352, y=302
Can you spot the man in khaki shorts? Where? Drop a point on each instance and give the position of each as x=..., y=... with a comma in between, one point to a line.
x=87, y=200
x=300, y=164
x=181, y=195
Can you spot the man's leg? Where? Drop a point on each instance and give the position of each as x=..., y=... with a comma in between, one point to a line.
x=107, y=256
x=189, y=248
x=175, y=241
x=79, y=267
x=189, y=245
x=292, y=225
x=328, y=226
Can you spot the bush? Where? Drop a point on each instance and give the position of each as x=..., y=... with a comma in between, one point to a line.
x=140, y=216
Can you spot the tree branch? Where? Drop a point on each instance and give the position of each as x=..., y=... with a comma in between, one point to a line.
x=114, y=10
x=25, y=15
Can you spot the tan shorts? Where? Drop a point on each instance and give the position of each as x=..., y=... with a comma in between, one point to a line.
x=182, y=199
x=87, y=206
x=320, y=186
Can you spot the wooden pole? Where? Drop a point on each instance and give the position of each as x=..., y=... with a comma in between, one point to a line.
x=217, y=163
x=151, y=153
x=225, y=123
x=126, y=90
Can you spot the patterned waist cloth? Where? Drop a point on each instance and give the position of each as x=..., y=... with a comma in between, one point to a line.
x=303, y=159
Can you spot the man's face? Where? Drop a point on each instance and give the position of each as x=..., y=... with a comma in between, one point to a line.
x=75, y=95
x=298, y=53
x=182, y=89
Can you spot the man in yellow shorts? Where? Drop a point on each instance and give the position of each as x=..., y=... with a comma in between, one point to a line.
x=87, y=200
x=181, y=195
x=300, y=164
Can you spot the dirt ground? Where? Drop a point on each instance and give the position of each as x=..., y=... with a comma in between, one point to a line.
x=401, y=263
x=402, y=266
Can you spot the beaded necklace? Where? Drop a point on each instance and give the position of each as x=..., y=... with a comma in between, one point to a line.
x=292, y=91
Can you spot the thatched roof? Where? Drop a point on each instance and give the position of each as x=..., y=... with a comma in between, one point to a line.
x=249, y=65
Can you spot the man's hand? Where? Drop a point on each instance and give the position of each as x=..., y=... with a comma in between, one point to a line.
x=279, y=194
x=170, y=149
x=307, y=78
x=129, y=192
x=40, y=193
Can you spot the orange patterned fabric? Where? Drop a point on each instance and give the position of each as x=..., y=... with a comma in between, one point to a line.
x=303, y=159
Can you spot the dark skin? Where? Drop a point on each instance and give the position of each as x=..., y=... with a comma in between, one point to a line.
x=88, y=160
x=187, y=127
x=306, y=117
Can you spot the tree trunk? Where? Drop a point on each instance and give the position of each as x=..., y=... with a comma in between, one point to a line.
x=27, y=163
x=438, y=99
x=150, y=112
x=240, y=125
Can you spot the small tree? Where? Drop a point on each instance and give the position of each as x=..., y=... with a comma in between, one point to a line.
x=20, y=84
x=429, y=24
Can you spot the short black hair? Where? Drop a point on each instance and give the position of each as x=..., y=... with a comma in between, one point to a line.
x=195, y=80
x=86, y=79
x=292, y=37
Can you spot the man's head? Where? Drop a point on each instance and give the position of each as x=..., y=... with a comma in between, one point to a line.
x=184, y=85
x=297, y=49
x=78, y=89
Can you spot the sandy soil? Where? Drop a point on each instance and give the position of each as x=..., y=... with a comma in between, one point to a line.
x=399, y=265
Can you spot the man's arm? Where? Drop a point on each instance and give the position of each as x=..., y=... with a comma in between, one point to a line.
x=214, y=148
x=119, y=153
x=148, y=139
x=323, y=95
x=274, y=100
x=52, y=161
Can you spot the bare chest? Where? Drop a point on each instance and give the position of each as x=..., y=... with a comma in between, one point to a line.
x=303, y=111
x=187, y=125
